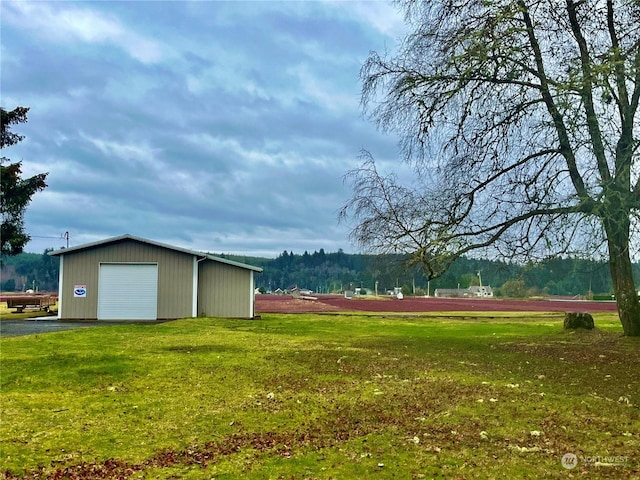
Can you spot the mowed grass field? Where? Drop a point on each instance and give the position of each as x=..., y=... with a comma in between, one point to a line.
x=324, y=396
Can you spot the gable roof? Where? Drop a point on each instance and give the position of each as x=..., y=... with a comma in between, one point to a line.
x=127, y=236
x=476, y=288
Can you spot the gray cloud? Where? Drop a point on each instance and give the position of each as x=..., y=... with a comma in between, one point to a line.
x=220, y=126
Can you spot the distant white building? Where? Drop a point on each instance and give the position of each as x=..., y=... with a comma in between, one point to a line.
x=471, y=292
x=484, y=291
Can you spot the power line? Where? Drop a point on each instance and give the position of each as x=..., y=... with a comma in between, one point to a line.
x=64, y=236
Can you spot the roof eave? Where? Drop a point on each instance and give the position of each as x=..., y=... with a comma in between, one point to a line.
x=127, y=236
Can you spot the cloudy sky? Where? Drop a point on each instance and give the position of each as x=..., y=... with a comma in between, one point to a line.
x=218, y=126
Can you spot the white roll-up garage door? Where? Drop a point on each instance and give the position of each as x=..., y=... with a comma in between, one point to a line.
x=128, y=291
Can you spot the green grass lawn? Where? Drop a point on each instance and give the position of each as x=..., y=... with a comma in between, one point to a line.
x=323, y=397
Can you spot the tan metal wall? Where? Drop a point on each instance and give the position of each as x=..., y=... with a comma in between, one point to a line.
x=175, y=278
x=224, y=290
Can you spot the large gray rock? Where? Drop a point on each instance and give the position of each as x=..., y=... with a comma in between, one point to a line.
x=573, y=320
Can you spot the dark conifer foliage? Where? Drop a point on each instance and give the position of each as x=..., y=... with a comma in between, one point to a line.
x=16, y=191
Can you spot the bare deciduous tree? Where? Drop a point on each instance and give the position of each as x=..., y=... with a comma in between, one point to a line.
x=520, y=119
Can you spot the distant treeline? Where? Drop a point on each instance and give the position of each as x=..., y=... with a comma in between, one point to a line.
x=335, y=272
x=30, y=271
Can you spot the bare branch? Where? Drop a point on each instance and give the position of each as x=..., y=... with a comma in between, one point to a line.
x=521, y=121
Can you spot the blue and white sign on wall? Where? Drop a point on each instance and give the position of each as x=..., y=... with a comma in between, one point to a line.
x=80, y=291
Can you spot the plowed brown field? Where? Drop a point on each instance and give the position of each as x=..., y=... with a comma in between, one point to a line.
x=338, y=303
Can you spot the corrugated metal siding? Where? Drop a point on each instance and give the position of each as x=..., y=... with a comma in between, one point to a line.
x=79, y=269
x=175, y=277
x=224, y=290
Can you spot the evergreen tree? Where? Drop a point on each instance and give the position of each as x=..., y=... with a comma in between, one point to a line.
x=16, y=192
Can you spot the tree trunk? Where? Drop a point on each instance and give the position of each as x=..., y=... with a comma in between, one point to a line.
x=622, y=276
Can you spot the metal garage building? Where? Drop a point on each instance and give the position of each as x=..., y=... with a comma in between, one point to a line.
x=132, y=278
